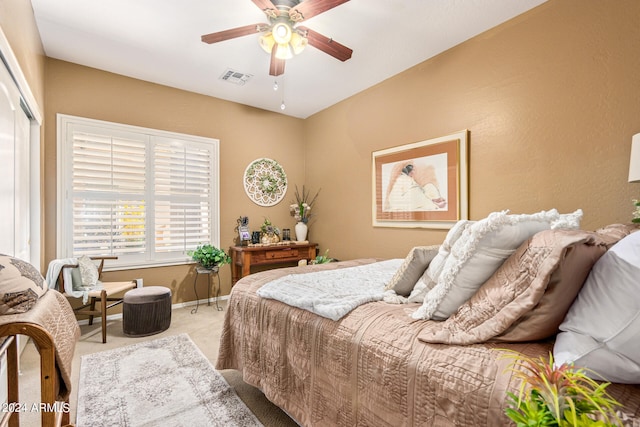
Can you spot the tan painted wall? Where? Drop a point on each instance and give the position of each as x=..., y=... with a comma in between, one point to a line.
x=551, y=100
x=19, y=26
x=245, y=134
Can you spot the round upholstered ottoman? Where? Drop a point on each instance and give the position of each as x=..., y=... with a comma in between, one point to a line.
x=146, y=311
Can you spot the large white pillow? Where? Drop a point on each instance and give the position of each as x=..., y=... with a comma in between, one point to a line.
x=479, y=251
x=601, y=331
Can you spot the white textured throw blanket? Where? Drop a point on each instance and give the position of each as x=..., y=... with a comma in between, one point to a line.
x=333, y=293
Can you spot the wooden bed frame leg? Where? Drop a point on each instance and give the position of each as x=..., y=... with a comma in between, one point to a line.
x=12, y=379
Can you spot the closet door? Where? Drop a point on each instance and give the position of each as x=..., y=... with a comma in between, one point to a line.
x=14, y=170
x=7, y=169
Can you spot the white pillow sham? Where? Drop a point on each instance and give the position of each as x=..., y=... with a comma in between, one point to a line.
x=600, y=332
x=478, y=252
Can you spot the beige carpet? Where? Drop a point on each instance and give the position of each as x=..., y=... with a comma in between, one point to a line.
x=202, y=327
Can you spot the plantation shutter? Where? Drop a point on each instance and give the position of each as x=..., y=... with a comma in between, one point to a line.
x=145, y=196
x=108, y=193
x=182, y=183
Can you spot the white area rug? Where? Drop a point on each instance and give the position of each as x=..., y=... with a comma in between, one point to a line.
x=164, y=382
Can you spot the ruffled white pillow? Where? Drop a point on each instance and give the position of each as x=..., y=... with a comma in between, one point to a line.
x=433, y=271
x=478, y=252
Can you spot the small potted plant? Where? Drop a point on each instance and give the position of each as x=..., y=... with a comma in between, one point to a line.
x=270, y=233
x=210, y=257
x=636, y=213
x=558, y=396
x=322, y=259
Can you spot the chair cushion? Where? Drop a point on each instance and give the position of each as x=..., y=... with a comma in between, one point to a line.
x=147, y=294
x=111, y=288
x=21, y=285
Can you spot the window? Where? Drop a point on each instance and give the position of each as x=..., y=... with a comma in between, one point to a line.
x=144, y=195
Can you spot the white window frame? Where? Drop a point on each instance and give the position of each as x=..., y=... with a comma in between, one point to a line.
x=150, y=258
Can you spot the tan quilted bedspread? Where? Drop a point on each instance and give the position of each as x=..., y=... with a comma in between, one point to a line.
x=53, y=313
x=368, y=368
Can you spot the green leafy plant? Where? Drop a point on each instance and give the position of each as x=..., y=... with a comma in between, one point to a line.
x=322, y=259
x=636, y=213
x=209, y=256
x=557, y=396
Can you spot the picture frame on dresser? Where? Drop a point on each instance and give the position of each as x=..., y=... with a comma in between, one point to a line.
x=423, y=184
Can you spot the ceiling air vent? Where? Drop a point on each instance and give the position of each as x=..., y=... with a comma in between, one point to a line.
x=235, y=77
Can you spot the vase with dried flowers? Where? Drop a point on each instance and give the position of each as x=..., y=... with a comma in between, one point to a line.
x=301, y=211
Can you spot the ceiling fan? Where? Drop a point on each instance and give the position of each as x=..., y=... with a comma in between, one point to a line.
x=283, y=37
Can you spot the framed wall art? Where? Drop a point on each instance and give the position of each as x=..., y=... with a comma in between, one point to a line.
x=423, y=184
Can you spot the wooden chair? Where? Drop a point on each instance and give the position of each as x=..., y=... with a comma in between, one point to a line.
x=104, y=295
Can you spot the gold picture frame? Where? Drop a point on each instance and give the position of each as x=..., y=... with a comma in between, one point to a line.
x=422, y=185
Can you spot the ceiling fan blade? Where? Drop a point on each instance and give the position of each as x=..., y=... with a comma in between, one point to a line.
x=267, y=7
x=231, y=34
x=327, y=45
x=311, y=8
x=276, y=67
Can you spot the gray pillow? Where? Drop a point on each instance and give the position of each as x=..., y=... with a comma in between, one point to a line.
x=412, y=269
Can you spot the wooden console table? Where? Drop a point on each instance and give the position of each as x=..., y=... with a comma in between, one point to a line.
x=243, y=257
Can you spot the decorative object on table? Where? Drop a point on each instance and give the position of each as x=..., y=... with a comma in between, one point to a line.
x=286, y=234
x=243, y=231
x=255, y=237
x=209, y=256
x=558, y=395
x=322, y=259
x=422, y=184
x=265, y=182
x=301, y=231
x=270, y=233
x=300, y=210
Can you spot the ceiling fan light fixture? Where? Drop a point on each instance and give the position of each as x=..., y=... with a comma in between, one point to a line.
x=281, y=32
x=267, y=42
x=298, y=43
x=284, y=51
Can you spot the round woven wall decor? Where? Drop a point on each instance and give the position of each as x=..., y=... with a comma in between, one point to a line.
x=265, y=182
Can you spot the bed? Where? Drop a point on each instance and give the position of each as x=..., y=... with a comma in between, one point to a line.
x=378, y=366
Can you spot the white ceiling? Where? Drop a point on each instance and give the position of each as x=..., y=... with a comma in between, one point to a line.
x=159, y=41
